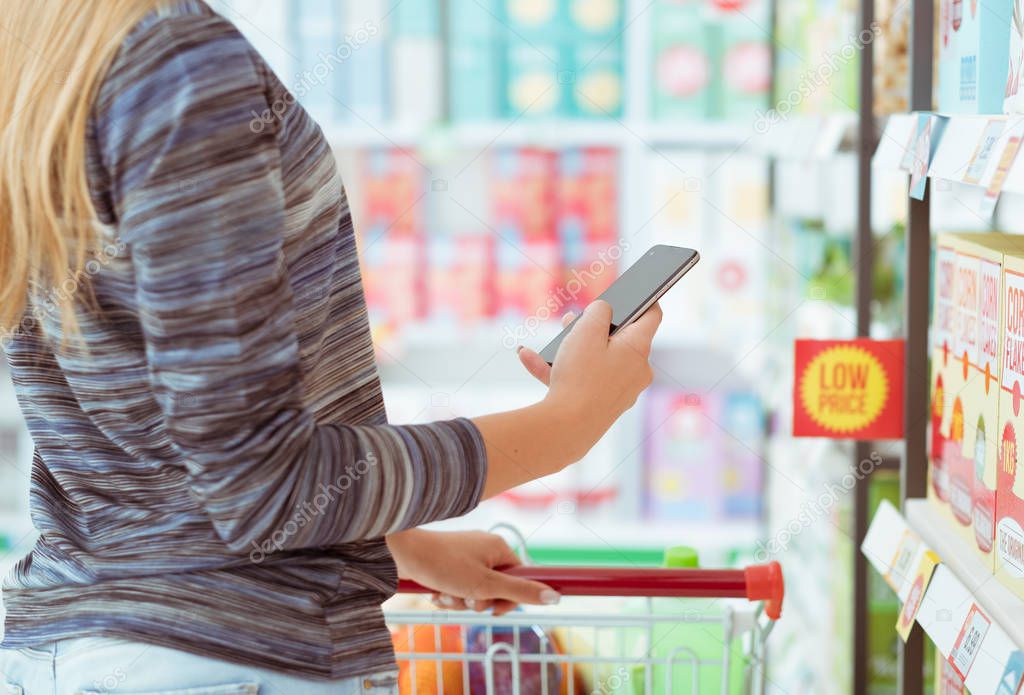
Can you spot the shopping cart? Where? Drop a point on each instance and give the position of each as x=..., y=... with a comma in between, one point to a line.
x=635, y=646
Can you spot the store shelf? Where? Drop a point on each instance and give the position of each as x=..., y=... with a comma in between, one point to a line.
x=999, y=602
x=967, y=152
x=805, y=137
x=795, y=138
x=554, y=134
x=895, y=545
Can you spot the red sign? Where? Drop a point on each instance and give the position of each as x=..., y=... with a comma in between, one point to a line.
x=848, y=389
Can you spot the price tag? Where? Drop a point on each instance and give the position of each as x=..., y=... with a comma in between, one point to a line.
x=983, y=152
x=968, y=643
x=900, y=568
x=926, y=135
x=920, y=156
x=915, y=595
x=907, y=160
x=1006, y=159
x=848, y=389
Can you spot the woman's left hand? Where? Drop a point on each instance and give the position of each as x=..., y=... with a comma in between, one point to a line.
x=462, y=569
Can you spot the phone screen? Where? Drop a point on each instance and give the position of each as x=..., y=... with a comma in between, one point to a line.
x=642, y=284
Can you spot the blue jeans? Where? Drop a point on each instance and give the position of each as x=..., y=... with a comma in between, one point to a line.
x=105, y=666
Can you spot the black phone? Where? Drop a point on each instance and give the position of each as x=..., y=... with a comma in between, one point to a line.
x=638, y=288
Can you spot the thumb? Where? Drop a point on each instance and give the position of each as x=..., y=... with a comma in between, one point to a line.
x=535, y=365
x=506, y=587
x=595, y=322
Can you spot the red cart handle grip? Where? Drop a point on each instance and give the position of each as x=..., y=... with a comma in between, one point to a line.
x=756, y=583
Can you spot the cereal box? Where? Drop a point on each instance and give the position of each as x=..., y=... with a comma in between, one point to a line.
x=1009, y=535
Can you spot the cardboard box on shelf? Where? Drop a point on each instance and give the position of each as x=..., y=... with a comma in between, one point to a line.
x=944, y=380
x=1009, y=535
x=967, y=368
x=1013, y=101
x=746, y=71
x=702, y=460
x=474, y=65
x=683, y=62
x=974, y=51
x=593, y=34
x=979, y=275
x=596, y=79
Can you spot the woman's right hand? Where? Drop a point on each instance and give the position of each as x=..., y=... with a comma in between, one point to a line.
x=594, y=378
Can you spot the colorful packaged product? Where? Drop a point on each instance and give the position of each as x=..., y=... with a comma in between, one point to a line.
x=594, y=50
x=526, y=277
x=944, y=378
x=393, y=185
x=393, y=284
x=588, y=194
x=681, y=484
x=1009, y=541
x=391, y=240
x=701, y=461
x=746, y=70
x=523, y=198
x=524, y=193
x=683, y=63
x=366, y=69
x=415, y=61
x=460, y=278
x=596, y=84
x=535, y=67
x=594, y=18
x=977, y=340
x=742, y=470
x=473, y=63
x=974, y=54
x=533, y=87
x=588, y=224
x=971, y=373
x=1013, y=101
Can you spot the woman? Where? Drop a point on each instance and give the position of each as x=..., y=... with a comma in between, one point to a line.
x=221, y=503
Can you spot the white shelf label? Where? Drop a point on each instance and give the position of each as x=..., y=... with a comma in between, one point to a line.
x=968, y=643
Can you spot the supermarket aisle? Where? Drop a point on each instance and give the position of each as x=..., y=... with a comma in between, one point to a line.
x=505, y=160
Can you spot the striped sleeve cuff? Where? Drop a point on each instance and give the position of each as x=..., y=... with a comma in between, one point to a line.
x=454, y=469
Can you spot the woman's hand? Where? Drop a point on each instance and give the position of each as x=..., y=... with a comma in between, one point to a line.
x=593, y=381
x=596, y=378
x=461, y=568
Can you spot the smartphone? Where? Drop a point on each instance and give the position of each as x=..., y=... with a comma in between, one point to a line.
x=638, y=288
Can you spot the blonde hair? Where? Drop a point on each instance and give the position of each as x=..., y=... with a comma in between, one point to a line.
x=54, y=55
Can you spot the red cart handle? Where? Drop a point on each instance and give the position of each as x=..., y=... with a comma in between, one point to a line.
x=756, y=583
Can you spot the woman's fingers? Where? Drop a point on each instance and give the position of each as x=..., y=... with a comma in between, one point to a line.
x=447, y=602
x=640, y=333
x=501, y=607
x=535, y=365
x=519, y=590
x=480, y=605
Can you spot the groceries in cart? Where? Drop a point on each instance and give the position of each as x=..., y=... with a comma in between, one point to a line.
x=425, y=676
x=624, y=631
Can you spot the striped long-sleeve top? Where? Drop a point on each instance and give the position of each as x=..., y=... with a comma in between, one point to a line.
x=214, y=471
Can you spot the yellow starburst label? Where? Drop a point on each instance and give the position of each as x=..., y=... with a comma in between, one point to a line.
x=844, y=388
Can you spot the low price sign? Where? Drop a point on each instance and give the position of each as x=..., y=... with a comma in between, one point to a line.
x=848, y=389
